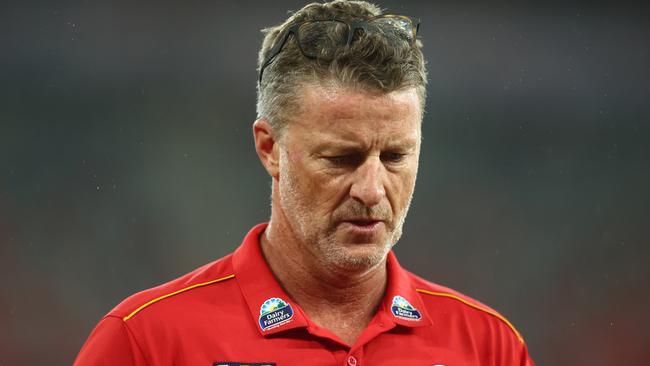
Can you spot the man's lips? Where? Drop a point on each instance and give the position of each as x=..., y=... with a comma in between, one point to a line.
x=363, y=222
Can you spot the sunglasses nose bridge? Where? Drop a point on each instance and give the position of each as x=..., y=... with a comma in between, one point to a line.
x=351, y=30
x=362, y=26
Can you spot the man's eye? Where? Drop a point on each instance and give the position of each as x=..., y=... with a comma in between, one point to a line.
x=392, y=157
x=343, y=160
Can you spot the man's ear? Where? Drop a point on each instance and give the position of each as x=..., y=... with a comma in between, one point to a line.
x=266, y=146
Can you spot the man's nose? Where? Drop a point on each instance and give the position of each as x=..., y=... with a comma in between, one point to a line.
x=368, y=184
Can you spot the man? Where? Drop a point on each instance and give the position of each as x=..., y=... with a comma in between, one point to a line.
x=340, y=103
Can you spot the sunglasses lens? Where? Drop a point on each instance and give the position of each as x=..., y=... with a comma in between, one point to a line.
x=396, y=26
x=321, y=39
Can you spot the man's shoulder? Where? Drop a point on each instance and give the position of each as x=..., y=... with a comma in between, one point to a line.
x=431, y=291
x=179, y=289
x=436, y=297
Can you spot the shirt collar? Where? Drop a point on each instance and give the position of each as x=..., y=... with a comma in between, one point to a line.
x=402, y=304
x=274, y=311
x=269, y=305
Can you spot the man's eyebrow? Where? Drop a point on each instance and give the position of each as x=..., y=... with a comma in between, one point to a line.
x=339, y=145
x=405, y=144
x=345, y=145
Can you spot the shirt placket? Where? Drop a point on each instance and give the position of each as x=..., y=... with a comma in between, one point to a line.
x=354, y=357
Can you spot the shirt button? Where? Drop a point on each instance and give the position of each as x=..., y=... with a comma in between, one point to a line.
x=352, y=361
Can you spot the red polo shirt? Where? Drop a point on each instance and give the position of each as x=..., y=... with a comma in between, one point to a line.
x=234, y=312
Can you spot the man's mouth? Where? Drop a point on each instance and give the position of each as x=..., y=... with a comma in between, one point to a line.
x=363, y=223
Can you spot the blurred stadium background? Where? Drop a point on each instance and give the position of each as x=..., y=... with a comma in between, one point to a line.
x=126, y=159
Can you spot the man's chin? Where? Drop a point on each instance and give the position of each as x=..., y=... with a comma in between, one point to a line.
x=358, y=256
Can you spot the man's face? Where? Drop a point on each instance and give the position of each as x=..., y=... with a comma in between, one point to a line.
x=347, y=168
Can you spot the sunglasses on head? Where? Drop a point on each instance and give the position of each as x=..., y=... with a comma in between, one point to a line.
x=320, y=39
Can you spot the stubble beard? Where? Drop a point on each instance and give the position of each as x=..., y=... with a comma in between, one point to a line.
x=323, y=243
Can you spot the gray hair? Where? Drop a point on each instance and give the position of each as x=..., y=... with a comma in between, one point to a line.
x=370, y=63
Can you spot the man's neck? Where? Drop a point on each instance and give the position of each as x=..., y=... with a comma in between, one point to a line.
x=324, y=293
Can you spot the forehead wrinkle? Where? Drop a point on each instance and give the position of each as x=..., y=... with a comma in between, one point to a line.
x=355, y=107
x=351, y=101
x=351, y=118
x=343, y=120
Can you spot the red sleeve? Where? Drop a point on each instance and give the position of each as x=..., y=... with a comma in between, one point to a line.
x=110, y=343
x=525, y=359
x=512, y=351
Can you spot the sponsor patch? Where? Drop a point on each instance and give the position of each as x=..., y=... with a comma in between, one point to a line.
x=404, y=310
x=275, y=312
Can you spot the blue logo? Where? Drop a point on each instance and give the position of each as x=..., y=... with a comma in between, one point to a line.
x=275, y=312
x=404, y=310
